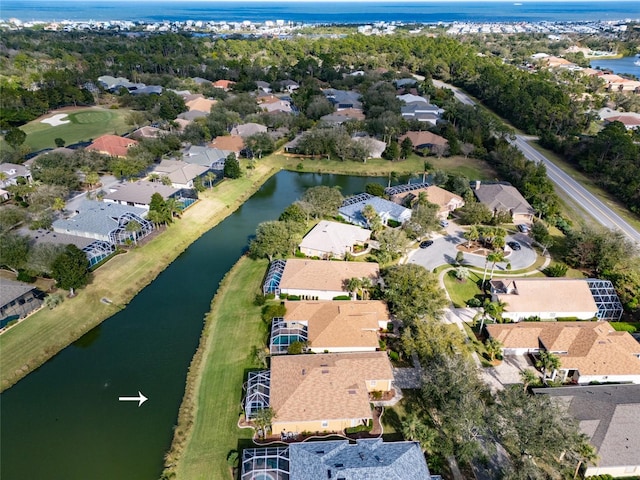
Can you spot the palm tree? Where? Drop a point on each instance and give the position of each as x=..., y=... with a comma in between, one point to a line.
x=263, y=420
x=415, y=429
x=471, y=235
x=174, y=208
x=549, y=363
x=494, y=347
x=365, y=287
x=353, y=285
x=495, y=257
x=133, y=227
x=462, y=273
x=528, y=377
x=92, y=178
x=210, y=177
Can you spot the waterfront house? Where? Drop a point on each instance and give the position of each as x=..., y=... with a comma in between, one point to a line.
x=333, y=239
x=181, y=174
x=17, y=300
x=408, y=194
x=138, y=194
x=330, y=326
x=212, y=158
x=319, y=279
x=370, y=459
x=422, y=140
x=317, y=393
x=588, y=351
x=375, y=148
x=352, y=207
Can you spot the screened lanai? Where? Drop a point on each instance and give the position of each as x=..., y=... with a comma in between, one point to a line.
x=265, y=463
x=606, y=298
x=258, y=389
x=98, y=251
x=284, y=333
x=274, y=275
x=122, y=236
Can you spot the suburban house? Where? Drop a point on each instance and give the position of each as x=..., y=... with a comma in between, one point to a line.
x=273, y=104
x=12, y=172
x=105, y=221
x=343, y=99
x=95, y=250
x=112, y=145
x=335, y=119
x=212, y=158
x=330, y=326
x=17, y=300
x=425, y=140
x=263, y=86
x=609, y=415
x=247, y=129
x=351, y=210
x=588, y=351
x=319, y=279
x=138, y=194
x=503, y=197
x=229, y=143
x=181, y=174
x=418, y=108
x=546, y=298
x=332, y=239
x=289, y=85
x=147, y=132
x=200, y=103
x=113, y=84
x=374, y=146
x=630, y=121
x=192, y=115
x=408, y=194
x=317, y=393
x=223, y=84
x=371, y=459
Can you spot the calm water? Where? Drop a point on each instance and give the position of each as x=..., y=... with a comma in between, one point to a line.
x=321, y=12
x=64, y=420
x=620, y=65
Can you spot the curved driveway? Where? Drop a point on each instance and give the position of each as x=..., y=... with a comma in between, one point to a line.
x=444, y=251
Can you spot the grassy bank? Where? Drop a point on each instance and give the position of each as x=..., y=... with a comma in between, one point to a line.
x=377, y=167
x=32, y=342
x=207, y=426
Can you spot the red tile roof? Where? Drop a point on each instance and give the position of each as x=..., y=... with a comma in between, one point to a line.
x=112, y=145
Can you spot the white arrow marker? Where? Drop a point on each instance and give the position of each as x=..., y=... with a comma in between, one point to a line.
x=140, y=399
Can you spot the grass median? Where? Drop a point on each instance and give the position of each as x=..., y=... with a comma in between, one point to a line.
x=207, y=425
x=33, y=341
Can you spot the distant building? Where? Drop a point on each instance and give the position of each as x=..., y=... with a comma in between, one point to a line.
x=230, y=143
x=212, y=158
x=12, y=172
x=112, y=145
x=424, y=140
x=343, y=99
x=247, y=129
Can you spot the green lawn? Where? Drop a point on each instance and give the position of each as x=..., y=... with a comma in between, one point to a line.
x=33, y=341
x=84, y=124
x=232, y=328
x=470, y=167
x=461, y=292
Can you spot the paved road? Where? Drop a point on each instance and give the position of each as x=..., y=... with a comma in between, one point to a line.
x=598, y=210
x=595, y=207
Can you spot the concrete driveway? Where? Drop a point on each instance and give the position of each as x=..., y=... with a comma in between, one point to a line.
x=444, y=251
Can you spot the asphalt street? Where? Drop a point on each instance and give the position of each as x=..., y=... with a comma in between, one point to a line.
x=592, y=205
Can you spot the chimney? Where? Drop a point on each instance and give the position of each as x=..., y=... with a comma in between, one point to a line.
x=477, y=187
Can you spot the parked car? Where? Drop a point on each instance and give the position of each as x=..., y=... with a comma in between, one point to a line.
x=426, y=243
x=514, y=245
x=444, y=223
x=523, y=228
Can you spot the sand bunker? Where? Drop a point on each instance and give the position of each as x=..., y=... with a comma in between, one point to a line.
x=57, y=119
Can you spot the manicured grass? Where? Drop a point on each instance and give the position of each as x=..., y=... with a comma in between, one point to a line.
x=84, y=124
x=461, y=292
x=207, y=428
x=470, y=167
x=33, y=341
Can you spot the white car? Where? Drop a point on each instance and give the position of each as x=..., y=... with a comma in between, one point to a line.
x=444, y=223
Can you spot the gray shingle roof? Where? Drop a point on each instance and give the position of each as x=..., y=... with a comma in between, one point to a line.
x=140, y=192
x=352, y=209
x=502, y=196
x=609, y=415
x=96, y=218
x=205, y=156
x=366, y=460
x=11, y=290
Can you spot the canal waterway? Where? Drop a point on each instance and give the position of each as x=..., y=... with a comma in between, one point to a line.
x=64, y=420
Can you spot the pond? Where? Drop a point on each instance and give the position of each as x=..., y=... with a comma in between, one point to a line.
x=64, y=420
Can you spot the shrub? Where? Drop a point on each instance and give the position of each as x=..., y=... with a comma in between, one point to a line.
x=393, y=223
x=259, y=299
x=342, y=297
x=474, y=302
x=631, y=327
x=300, y=166
x=232, y=459
x=272, y=311
x=293, y=297
x=299, y=254
x=557, y=270
x=296, y=348
x=25, y=277
x=394, y=356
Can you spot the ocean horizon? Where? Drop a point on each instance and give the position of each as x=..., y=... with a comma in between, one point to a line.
x=319, y=12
